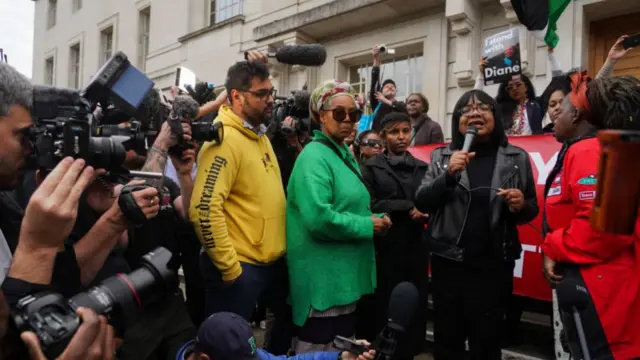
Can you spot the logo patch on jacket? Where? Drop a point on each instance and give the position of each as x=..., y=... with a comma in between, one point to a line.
x=557, y=179
x=587, y=195
x=589, y=180
x=555, y=191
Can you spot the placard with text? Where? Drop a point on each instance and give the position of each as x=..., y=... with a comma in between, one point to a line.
x=502, y=51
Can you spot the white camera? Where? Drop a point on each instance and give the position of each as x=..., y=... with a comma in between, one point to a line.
x=386, y=49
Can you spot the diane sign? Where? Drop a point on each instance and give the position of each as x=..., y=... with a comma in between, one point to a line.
x=527, y=275
x=502, y=51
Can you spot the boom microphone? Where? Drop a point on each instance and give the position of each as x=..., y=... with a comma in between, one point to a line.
x=184, y=109
x=307, y=55
x=469, y=137
x=573, y=297
x=403, y=304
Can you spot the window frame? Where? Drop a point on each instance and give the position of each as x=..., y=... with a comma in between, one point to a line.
x=75, y=78
x=52, y=13
x=105, y=34
x=216, y=8
x=76, y=5
x=144, y=36
x=50, y=78
x=365, y=85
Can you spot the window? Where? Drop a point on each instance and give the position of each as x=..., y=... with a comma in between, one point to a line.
x=144, y=20
x=221, y=10
x=76, y=5
x=49, y=69
x=406, y=71
x=106, y=44
x=74, y=66
x=52, y=13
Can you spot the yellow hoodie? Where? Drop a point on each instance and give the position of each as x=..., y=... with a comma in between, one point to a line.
x=238, y=205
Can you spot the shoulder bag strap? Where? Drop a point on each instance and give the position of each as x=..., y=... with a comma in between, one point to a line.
x=331, y=146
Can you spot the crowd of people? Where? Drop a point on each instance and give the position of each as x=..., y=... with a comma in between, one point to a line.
x=320, y=225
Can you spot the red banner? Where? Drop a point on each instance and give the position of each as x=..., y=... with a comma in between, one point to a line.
x=527, y=275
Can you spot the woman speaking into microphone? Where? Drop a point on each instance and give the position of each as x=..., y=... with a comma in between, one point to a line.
x=475, y=200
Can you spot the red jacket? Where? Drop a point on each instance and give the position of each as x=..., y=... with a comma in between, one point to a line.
x=609, y=264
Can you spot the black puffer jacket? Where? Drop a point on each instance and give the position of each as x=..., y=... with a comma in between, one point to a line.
x=446, y=198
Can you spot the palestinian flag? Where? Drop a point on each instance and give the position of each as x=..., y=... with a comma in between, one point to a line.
x=541, y=17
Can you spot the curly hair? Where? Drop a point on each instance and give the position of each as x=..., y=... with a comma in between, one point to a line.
x=557, y=83
x=15, y=89
x=507, y=104
x=615, y=103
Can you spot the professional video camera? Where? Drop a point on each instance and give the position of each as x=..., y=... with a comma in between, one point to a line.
x=296, y=106
x=65, y=121
x=54, y=320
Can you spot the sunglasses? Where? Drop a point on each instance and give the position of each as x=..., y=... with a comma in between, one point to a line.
x=372, y=143
x=340, y=114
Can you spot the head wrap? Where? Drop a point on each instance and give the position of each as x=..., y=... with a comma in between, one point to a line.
x=578, y=94
x=324, y=93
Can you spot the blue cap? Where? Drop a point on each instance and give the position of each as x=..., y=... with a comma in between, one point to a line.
x=227, y=336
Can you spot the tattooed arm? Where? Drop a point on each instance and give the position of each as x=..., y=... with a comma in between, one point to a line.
x=159, y=152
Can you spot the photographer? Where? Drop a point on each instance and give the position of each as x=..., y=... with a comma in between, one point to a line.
x=382, y=97
x=288, y=147
x=162, y=327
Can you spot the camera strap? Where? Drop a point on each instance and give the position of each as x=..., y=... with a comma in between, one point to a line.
x=128, y=204
x=332, y=146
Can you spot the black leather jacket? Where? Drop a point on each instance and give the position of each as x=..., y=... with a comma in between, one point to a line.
x=446, y=198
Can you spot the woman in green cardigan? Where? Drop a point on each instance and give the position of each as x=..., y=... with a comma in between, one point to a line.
x=330, y=226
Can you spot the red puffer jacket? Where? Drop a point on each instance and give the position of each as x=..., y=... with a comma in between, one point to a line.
x=609, y=265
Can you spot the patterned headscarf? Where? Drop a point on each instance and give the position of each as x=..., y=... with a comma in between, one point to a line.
x=323, y=94
x=578, y=94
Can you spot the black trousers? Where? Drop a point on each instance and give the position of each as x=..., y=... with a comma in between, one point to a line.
x=269, y=283
x=401, y=261
x=469, y=304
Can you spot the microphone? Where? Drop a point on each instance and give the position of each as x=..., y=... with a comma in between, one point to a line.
x=403, y=304
x=573, y=297
x=469, y=137
x=307, y=55
x=184, y=108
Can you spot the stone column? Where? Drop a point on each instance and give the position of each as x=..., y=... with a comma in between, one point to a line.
x=464, y=17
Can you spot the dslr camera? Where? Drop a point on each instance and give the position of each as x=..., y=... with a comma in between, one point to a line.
x=297, y=106
x=54, y=320
x=67, y=120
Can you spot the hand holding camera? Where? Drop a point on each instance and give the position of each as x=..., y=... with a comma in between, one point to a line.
x=95, y=339
x=53, y=208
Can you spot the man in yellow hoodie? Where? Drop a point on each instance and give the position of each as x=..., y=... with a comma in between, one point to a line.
x=238, y=203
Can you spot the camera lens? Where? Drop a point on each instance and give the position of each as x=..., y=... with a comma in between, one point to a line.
x=107, y=152
x=383, y=49
x=122, y=295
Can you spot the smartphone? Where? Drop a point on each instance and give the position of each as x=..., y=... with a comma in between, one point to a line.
x=348, y=345
x=185, y=77
x=631, y=41
x=615, y=209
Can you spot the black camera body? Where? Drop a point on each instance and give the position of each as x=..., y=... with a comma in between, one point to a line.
x=65, y=121
x=54, y=320
x=296, y=106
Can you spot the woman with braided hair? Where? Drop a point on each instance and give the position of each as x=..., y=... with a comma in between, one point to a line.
x=604, y=264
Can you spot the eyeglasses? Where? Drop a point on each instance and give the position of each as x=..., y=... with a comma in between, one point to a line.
x=514, y=86
x=372, y=143
x=340, y=114
x=263, y=94
x=483, y=108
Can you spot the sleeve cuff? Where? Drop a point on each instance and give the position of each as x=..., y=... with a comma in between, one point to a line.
x=233, y=272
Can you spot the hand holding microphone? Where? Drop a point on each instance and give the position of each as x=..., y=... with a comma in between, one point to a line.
x=460, y=159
